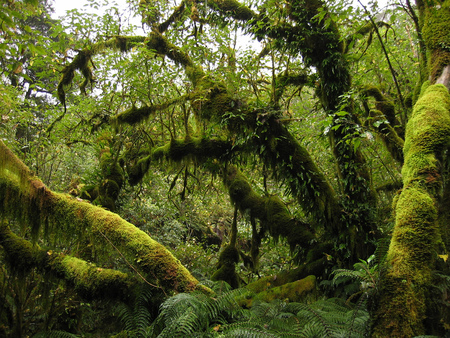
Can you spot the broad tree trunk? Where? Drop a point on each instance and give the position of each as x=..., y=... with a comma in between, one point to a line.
x=402, y=306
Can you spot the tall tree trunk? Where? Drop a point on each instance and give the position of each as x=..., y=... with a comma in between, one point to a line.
x=402, y=306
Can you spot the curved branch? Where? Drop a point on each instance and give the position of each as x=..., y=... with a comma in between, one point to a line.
x=89, y=280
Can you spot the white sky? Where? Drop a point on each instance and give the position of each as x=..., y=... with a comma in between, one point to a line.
x=61, y=6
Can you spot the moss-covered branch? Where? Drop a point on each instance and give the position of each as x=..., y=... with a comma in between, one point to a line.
x=25, y=197
x=89, y=280
x=394, y=144
x=413, y=249
x=270, y=210
x=382, y=104
x=232, y=8
x=155, y=42
x=135, y=115
x=196, y=148
x=284, y=80
x=280, y=150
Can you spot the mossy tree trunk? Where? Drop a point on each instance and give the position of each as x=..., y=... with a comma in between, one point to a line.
x=402, y=306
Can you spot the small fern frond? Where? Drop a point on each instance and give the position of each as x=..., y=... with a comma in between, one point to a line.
x=248, y=330
x=55, y=334
x=136, y=317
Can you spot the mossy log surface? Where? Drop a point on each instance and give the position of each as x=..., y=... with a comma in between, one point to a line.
x=88, y=280
x=402, y=305
x=25, y=197
x=302, y=290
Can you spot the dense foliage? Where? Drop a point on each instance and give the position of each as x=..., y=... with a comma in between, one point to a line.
x=225, y=168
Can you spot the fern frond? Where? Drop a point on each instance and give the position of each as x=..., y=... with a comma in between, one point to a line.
x=251, y=332
x=136, y=317
x=55, y=334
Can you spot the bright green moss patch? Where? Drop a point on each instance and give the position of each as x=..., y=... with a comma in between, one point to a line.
x=303, y=290
x=294, y=292
x=89, y=280
x=436, y=36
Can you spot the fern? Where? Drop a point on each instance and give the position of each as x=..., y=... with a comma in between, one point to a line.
x=136, y=318
x=197, y=315
x=190, y=314
x=55, y=334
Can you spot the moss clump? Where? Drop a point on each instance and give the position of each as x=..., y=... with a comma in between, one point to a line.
x=226, y=271
x=436, y=36
x=382, y=104
x=270, y=210
x=413, y=243
x=211, y=100
x=294, y=292
x=89, y=280
x=113, y=179
x=268, y=289
x=237, y=10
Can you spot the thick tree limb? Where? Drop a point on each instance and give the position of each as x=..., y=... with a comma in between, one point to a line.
x=27, y=198
x=89, y=280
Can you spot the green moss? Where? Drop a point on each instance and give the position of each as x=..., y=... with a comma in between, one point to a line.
x=382, y=104
x=237, y=10
x=88, y=279
x=436, y=36
x=226, y=267
x=265, y=289
x=435, y=30
x=19, y=253
x=412, y=252
x=388, y=135
x=73, y=220
x=413, y=243
x=294, y=292
x=427, y=133
x=270, y=210
x=402, y=310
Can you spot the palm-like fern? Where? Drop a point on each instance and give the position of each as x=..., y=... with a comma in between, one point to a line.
x=136, y=317
x=197, y=315
x=363, y=273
